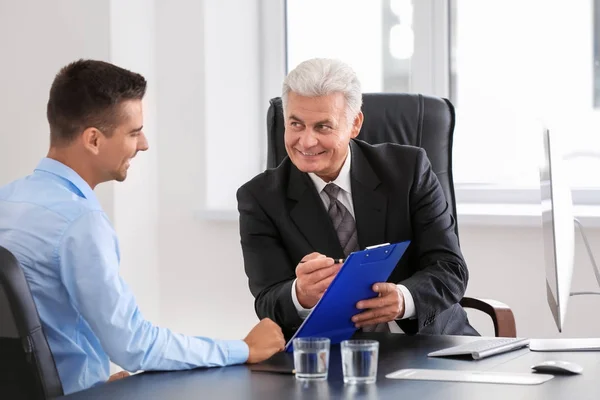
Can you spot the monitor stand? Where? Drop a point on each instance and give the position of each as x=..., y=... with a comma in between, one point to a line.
x=572, y=344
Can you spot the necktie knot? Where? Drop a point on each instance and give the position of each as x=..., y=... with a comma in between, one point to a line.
x=332, y=190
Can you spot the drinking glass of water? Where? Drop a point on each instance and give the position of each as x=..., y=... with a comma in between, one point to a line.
x=311, y=358
x=359, y=360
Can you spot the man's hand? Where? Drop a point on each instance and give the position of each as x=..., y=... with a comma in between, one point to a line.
x=388, y=306
x=264, y=340
x=118, y=375
x=314, y=274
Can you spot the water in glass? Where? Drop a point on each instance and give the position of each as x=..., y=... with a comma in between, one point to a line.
x=359, y=361
x=311, y=358
x=311, y=364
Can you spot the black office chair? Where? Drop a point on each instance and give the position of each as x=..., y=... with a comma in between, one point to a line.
x=27, y=369
x=411, y=119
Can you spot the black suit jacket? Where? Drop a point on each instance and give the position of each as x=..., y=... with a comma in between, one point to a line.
x=396, y=197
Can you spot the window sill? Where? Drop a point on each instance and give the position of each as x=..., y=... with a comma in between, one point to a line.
x=518, y=215
x=469, y=214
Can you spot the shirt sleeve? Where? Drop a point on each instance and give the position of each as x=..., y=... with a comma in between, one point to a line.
x=89, y=262
x=409, y=303
x=302, y=312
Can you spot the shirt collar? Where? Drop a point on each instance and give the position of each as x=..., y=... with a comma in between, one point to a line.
x=59, y=169
x=343, y=179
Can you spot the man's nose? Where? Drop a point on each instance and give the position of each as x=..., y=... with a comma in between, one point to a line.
x=143, y=143
x=308, y=139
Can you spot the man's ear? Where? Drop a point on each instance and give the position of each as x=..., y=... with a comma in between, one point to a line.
x=358, y=121
x=91, y=138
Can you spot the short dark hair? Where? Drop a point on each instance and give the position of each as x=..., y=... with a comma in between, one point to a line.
x=88, y=93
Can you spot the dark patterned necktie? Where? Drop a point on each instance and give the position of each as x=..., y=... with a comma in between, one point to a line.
x=342, y=219
x=344, y=225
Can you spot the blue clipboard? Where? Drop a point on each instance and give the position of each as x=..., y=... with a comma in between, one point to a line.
x=331, y=316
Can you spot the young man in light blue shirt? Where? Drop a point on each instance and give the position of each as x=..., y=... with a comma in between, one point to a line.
x=53, y=223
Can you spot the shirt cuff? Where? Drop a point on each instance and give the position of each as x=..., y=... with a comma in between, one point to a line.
x=409, y=303
x=302, y=312
x=237, y=351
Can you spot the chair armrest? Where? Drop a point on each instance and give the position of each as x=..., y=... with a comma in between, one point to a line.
x=501, y=314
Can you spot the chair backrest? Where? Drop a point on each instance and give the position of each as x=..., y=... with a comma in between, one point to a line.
x=27, y=368
x=403, y=118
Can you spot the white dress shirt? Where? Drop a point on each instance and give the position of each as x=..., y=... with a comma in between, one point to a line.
x=345, y=197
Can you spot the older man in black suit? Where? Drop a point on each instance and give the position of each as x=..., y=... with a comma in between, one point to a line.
x=335, y=194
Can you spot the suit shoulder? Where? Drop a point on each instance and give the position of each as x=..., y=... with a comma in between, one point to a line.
x=267, y=182
x=391, y=151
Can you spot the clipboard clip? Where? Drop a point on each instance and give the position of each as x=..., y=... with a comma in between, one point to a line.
x=376, y=246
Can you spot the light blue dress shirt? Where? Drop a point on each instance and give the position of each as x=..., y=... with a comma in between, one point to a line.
x=54, y=225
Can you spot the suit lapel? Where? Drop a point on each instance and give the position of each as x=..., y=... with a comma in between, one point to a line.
x=310, y=216
x=369, y=200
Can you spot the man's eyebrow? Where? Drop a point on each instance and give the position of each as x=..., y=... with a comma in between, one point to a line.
x=137, y=129
x=324, y=122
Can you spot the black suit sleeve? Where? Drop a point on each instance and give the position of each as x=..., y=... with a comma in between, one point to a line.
x=268, y=267
x=441, y=277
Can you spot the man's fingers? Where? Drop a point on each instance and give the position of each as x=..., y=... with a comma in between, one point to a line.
x=377, y=302
x=312, y=256
x=384, y=288
x=322, y=274
x=118, y=375
x=314, y=265
x=368, y=317
x=375, y=321
x=324, y=284
x=315, y=276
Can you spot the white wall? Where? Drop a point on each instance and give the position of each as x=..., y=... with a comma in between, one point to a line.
x=203, y=286
x=35, y=45
x=231, y=51
x=188, y=273
x=132, y=46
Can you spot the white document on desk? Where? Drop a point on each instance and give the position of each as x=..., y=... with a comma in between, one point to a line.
x=511, y=378
x=565, y=344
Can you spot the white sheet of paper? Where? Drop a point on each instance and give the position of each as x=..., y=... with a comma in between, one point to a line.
x=565, y=344
x=514, y=378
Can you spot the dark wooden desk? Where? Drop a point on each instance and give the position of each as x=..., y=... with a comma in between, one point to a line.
x=396, y=352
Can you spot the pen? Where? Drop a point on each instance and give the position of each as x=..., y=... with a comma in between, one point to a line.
x=335, y=260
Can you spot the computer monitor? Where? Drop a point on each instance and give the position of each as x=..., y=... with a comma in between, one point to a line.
x=558, y=228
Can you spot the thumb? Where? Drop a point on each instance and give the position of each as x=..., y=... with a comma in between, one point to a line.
x=384, y=287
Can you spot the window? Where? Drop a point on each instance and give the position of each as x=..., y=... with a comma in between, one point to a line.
x=374, y=36
x=516, y=67
x=242, y=55
x=511, y=68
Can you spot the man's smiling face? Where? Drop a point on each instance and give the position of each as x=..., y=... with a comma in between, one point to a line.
x=317, y=133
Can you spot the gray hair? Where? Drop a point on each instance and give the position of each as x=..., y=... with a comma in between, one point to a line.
x=322, y=76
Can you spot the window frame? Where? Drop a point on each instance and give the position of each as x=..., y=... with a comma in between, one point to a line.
x=430, y=74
